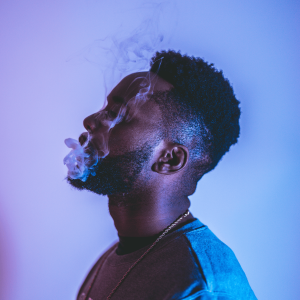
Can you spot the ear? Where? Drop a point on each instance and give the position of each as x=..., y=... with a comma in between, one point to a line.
x=172, y=159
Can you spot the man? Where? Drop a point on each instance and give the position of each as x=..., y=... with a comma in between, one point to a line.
x=159, y=133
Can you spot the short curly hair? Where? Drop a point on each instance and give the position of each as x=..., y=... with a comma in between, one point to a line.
x=201, y=111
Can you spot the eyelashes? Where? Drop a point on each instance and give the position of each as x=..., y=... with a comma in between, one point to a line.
x=111, y=114
x=121, y=115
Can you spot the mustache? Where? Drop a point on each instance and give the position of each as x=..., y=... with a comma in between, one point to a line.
x=89, y=147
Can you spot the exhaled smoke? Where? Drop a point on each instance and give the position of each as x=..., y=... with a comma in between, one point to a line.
x=79, y=163
x=118, y=56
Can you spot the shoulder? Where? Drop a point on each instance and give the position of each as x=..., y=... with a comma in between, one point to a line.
x=218, y=264
x=89, y=278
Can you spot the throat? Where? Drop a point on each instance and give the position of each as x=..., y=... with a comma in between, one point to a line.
x=149, y=215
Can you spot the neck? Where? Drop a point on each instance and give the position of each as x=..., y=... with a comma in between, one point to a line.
x=146, y=214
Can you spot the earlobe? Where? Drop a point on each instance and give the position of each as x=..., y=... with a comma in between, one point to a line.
x=172, y=159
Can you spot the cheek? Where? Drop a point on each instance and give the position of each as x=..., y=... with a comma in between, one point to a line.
x=126, y=137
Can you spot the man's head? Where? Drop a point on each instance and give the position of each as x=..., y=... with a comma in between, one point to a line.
x=179, y=119
x=130, y=141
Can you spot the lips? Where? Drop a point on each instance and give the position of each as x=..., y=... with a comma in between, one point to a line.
x=90, y=148
x=95, y=144
x=87, y=143
x=83, y=138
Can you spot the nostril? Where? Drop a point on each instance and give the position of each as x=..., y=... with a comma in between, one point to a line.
x=89, y=124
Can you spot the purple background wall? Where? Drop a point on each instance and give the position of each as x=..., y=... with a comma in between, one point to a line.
x=50, y=234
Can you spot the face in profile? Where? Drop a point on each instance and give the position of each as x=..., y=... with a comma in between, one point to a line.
x=122, y=137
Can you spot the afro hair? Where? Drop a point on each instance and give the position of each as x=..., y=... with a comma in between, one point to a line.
x=201, y=111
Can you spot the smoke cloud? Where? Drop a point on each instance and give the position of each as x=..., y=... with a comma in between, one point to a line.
x=117, y=56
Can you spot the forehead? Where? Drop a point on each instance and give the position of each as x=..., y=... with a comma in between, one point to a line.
x=130, y=85
x=127, y=89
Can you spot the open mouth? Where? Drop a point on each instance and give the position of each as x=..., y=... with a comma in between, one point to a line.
x=83, y=138
x=82, y=158
x=91, y=153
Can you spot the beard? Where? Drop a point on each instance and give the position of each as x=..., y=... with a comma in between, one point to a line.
x=116, y=175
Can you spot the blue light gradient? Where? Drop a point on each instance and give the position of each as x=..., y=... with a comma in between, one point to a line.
x=50, y=234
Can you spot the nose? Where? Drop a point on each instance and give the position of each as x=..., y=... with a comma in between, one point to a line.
x=90, y=123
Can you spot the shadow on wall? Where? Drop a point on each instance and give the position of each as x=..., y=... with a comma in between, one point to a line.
x=7, y=257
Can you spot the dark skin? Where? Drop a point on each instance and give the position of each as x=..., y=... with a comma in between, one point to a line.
x=159, y=184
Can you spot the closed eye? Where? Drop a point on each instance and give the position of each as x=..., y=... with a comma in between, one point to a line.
x=112, y=114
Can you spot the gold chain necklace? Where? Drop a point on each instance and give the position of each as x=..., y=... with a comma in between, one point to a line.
x=125, y=275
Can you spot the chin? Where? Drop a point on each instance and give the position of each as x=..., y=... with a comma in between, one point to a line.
x=101, y=186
